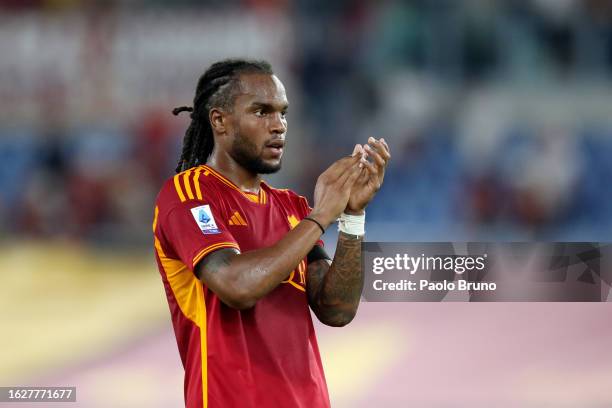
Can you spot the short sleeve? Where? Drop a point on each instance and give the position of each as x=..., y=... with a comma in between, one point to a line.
x=194, y=230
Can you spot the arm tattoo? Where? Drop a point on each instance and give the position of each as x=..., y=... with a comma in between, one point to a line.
x=344, y=281
x=334, y=291
x=314, y=278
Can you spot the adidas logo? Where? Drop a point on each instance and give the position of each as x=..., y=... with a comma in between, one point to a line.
x=237, y=219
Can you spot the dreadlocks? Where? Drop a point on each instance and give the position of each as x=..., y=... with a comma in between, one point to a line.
x=217, y=88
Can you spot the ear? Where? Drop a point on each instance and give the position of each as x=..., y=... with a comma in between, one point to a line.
x=218, y=120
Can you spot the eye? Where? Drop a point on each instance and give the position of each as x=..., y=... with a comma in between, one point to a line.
x=284, y=114
x=259, y=113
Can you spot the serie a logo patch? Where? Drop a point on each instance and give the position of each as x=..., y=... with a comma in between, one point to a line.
x=205, y=220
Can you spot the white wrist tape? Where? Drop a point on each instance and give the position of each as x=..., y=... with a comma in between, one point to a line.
x=352, y=224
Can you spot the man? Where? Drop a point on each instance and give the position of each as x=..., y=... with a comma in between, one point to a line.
x=241, y=261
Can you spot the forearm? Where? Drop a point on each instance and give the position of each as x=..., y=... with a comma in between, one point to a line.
x=338, y=296
x=242, y=279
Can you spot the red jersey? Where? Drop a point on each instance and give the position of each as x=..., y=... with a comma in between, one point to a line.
x=266, y=356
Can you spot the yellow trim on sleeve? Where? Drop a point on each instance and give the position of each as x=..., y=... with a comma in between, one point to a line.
x=214, y=247
x=177, y=186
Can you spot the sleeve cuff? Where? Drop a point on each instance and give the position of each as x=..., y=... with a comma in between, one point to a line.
x=212, y=248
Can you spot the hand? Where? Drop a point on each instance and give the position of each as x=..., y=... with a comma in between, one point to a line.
x=333, y=189
x=372, y=175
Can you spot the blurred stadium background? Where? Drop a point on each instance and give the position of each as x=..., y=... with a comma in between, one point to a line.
x=499, y=115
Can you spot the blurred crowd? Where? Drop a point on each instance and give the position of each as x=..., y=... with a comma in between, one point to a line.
x=498, y=113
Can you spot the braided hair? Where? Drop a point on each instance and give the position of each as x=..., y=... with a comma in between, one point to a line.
x=217, y=88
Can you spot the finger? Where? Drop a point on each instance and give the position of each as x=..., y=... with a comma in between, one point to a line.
x=370, y=167
x=340, y=166
x=354, y=174
x=363, y=177
x=341, y=180
x=347, y=161
x=379, y=147
x=375, y=154
x=357, y=150
x=364, y=156
x=384, y=143
x=343, y=162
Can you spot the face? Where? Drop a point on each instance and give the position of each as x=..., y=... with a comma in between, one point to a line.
x=259, y=124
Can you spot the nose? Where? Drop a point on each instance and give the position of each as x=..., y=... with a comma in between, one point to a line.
x=278, y=124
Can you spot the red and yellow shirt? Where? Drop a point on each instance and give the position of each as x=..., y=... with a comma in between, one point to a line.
x=266, y=356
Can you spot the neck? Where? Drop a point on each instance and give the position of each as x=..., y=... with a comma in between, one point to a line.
x=224, y=164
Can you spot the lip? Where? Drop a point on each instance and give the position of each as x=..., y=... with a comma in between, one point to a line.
x=276, y=144
x=276, y=151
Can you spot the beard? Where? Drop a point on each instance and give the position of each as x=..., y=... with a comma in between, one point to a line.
x=246, y=154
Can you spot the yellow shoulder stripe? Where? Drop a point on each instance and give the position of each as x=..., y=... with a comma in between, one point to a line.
x=187, y=184
x=179, y=190
x=196, y=181
x=182, y=184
